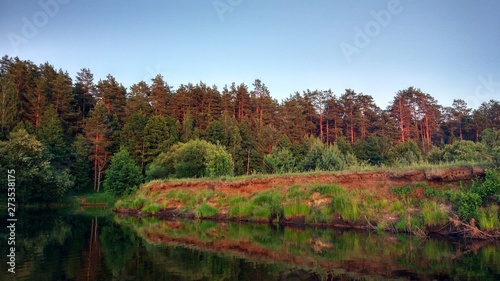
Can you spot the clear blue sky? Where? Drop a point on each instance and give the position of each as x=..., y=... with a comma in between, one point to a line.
x=441, y=47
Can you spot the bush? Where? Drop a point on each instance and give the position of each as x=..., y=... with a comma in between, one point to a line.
x=468, y=204
x=123, y=176
x=405, y=154
x=280, y=161
x=465, y=151
x=196, y=158
x=490, y=186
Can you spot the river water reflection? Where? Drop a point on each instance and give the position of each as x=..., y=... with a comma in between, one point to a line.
x=97, y=245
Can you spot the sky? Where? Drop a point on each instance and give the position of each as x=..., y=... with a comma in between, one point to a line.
x=449, y=49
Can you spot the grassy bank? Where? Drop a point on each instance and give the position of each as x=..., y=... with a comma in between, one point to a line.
x=414, y=208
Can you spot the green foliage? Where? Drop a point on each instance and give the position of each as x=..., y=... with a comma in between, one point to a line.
x=40, y=181
x=295, y=209
x=151, y=208
x=243, y=209
x=465, y=151
x=296, y=193
x=404, y=154
x=488, y=218
x=205, y=210
x=321, y=156
x=373, y=149
x=490, y=186
x=269, y=200
x=329, y=189
x=219, y=162
x=99, y=198
x=319, y=214
x=347, y=206
x=468, y=204
x=123, y=176
x=280, y=161
x=431, y=213
x=80, y=168
x=408, y=223
x=196, y=158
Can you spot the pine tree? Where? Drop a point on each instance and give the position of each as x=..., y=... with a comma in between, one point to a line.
x=97, y=133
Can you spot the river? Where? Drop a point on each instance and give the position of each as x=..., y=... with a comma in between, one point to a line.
x=95, y=244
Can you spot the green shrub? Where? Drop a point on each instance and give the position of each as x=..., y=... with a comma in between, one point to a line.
x=404, y=154
x=468, y=204
x=205, y=210
x=431, y=214
x=347, y=207
x=280, y=161
x=123, y=176
x=488, y=218
x=490, y=186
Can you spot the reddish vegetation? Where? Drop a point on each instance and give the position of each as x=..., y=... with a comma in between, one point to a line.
x=379, y=181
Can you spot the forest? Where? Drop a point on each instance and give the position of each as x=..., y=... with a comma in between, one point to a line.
x=69, y=136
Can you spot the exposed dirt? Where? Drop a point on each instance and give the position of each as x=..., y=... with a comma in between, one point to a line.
x=377, y=182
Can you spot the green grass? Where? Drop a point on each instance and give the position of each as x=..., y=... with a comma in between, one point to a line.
x=347, y=206
x=205, y=210
x=488, y=218
x=296, y=192
x=331, y=190
x=431, y=213
x=243, y=209
x=99, y=198
x=295, y=210
x=415, y=224
x=151, y=208
x=261, y=213
x=319, y=214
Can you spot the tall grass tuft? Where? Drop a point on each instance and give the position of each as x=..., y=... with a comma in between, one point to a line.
x=488, y=218
x=205, y=210
x=151, y=208
x=296, y=210
x=347, y=206
x=242, y=209
x=431, y=214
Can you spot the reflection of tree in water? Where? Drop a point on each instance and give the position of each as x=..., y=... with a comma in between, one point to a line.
x=119, y=245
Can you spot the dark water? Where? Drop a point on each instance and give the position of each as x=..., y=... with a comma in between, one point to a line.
x=96, y=245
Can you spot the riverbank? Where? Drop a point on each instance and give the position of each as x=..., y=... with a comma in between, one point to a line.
x=421, y=202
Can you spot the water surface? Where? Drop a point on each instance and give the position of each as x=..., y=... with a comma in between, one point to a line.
x=97, y=245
